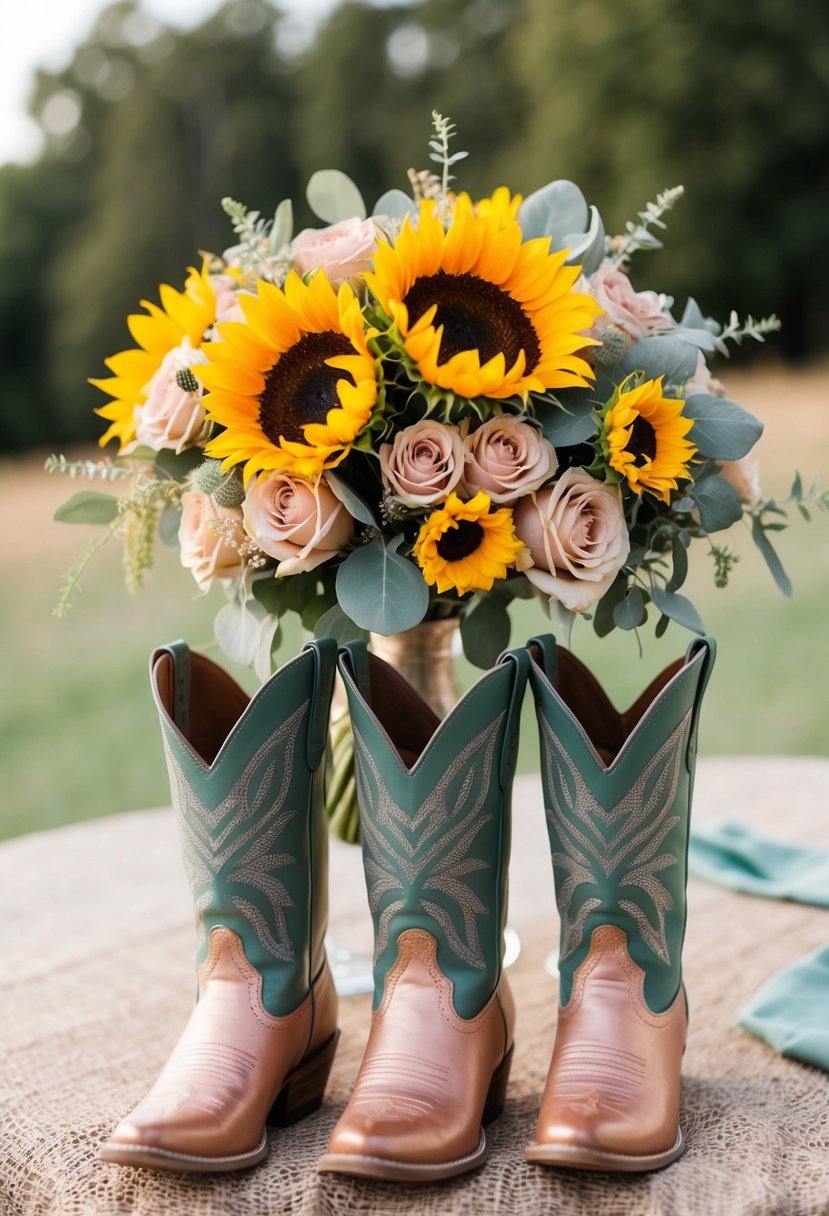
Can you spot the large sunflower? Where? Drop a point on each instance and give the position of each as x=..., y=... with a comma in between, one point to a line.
x=480, y=311
x=644, y=436
x=182, y=314
x=293, y=386
x=466, y=546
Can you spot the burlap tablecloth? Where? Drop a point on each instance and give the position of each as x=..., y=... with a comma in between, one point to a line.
x=97, y=980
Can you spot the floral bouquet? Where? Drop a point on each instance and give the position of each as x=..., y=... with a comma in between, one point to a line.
x=425, y=414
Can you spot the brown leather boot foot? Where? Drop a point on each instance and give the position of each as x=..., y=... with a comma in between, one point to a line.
x=426, y=1086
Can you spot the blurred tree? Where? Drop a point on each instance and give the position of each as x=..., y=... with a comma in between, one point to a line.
x=732, y=103
x=369, y=82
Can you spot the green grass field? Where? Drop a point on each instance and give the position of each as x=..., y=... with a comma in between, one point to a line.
x=80, y=737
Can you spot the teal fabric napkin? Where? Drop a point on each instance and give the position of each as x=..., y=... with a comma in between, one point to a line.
x=739, y=857
x=791, y=1012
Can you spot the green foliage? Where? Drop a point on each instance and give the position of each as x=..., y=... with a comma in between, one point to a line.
x=380, y=590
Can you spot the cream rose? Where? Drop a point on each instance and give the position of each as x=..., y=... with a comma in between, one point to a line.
x=342, y=250
x=423, y=464
x=172, y=417
x=226, y=291
x=203, y=549
x=744, y=476
x=637, y=313
x=300, y=524
x=576, y=536
x=507, y=457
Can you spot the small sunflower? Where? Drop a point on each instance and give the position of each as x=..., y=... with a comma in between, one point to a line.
x=501, y=205
x=465, y=546
x=293, y=385
x=480, y=311
x=182, y=314
x=644, y=436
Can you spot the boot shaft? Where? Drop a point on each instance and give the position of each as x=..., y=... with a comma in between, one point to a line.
x=246, y=777
x=617, y=794
x=434, y=814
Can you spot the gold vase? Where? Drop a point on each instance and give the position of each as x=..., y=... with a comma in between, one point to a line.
x=425, y=656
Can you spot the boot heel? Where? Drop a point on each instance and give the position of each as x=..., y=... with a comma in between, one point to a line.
x=304, y=1088
x=496, y=1096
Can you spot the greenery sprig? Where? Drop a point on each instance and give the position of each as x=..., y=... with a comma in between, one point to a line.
x=445, y=130
x=639, y=235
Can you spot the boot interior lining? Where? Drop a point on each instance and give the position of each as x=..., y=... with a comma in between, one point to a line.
x=402, y=712
x=216, y=703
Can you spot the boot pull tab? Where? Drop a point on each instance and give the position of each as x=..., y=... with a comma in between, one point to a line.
x=520, y=660
x=324, y=651
x=708, y=648
x=354, y=656
x=545, y=643
x=179, y=653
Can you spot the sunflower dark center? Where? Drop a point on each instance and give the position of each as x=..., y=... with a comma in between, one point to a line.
x=475, y=315
x=301, y=387
x=460, y=542
x=642, y=442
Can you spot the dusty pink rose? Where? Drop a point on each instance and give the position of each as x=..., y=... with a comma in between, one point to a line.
x=744, y=476
x=423, y=464
x=172, y=417
x=700, y=382
x=637, y=313
x=204, y=549
x=507, y=457
x=295, y=521
x=576, y=535
x=342, y=250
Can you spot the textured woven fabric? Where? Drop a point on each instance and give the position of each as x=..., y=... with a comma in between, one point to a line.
x=96, y=981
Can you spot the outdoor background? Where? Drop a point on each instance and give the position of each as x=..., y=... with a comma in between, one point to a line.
x=144, y=127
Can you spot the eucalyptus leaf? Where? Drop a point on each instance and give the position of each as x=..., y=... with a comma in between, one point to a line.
x=168, y=525
x=380, y=590
x=562, y=620
x=678, y=607
x=718, y=503
x=664, y=356
x=603, y=622
x=282, y=228
x=694, y=318
x=394, y=204
x=770, y=556
x=333, y=196
x=555, y=210
x=722, y=429
x=485, y=630
x=587, y=248
x=335, y=624
x=269, y=638
x=631, y=612
x=352, y=501
x=238, y=628
x=87, y=507
x=679, y=553
x=568, y=423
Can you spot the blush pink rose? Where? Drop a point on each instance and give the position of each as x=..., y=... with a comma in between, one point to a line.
x=576, y=536
x=226, y=291
x=342, y=250
x=423, y=464
x=204, y=549
x=299, y=523
x=172, y=417
x=507, y=457
x=638, y=314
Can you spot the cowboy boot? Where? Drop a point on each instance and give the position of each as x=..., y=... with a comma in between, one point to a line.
x=434, y=816
x=247, y=786
x=617, y=793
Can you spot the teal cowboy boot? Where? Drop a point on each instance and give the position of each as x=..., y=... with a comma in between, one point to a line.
x=247, y=786
x=434, y=803
x=617, y=794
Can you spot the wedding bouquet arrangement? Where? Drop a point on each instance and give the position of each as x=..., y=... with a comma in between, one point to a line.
x=425, y=413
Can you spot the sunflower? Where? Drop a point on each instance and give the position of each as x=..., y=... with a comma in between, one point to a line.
x=644, y=437
x=465, y=545
x=293, y=385
x=500, y=205
x=480, y=311
x=182, y=314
